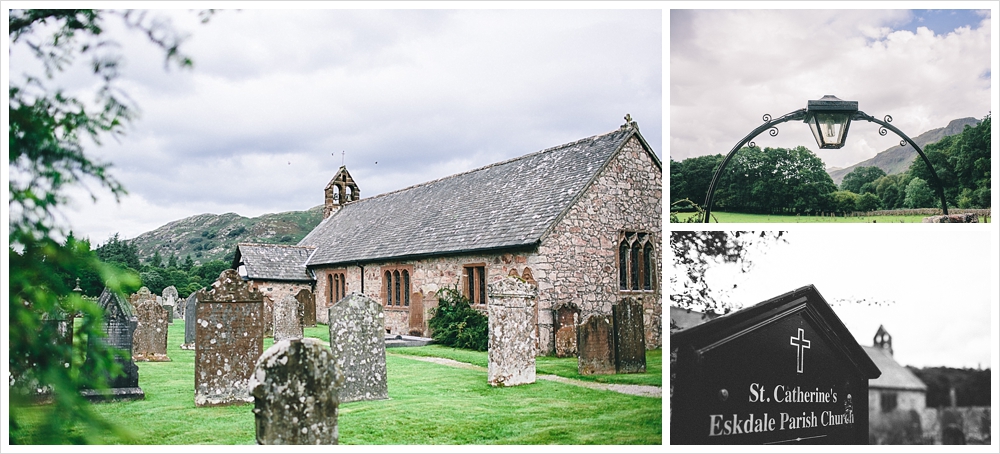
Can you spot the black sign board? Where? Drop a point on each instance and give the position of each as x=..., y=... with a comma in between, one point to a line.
x=785, y=371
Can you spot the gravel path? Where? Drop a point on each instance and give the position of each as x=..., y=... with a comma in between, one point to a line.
x=635, y=390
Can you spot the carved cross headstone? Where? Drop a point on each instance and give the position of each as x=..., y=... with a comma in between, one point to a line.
x=357, y=339
x=229, y=337
x=596, y=345
x=295, y=389
x=149, y=341
x=119, y=325
x=308, y=302
x=287, y=319
x=630, y=337
x=511, y=312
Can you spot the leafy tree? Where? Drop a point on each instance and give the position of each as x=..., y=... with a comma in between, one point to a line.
x=456, y=324
x=157, y=260
x=919, y=194
x=891, y=190
x=868, y=202
x=859, y=180
x=188, y=263
x=172, y=261
x=843, y=201
x=774, y=180
x=46, y=156
x=962, y=163
x=694, y=252
x=690, y=178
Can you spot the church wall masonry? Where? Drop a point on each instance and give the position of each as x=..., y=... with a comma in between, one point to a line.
x=576, y=265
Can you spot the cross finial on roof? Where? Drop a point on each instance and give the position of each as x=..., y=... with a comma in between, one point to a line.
x=629, y=122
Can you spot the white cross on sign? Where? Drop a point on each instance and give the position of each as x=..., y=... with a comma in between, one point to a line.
x=801, y=343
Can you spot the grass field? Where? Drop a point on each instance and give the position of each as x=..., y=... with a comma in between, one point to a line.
x=723, y=217
x=428, y=404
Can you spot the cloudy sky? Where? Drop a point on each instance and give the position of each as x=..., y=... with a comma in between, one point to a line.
x=932, y=288
x=730, y=67
x=279, y=98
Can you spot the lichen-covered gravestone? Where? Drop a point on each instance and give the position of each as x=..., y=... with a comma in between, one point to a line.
x=596, y=346
x=567, y=317
x=287, y=319
x=357, y=339
x=229, y=337
x=149, y=341
x=630, y=337
x=170, y=298
x=308, y=302
x=511, y=312
x=119, y=325
x=295, y=389
x=190, y=321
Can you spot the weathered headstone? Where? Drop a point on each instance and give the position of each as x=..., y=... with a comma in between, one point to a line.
x=567, y=317
x=596, y=345
x=119, y=325
x=190, y=321
x=149, y=340
x=295, y=389
x=785, y=371
x=287, y=319
x=170, y=298
x=229, y=337
x=511, y=310
x=268, y=315
x=630, y=337
x=357, y=338
x=308, y=302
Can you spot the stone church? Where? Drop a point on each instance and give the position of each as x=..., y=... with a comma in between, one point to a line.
x=581, y=221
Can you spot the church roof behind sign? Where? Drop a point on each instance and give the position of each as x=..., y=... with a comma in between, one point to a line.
x=510, y=204
x=894, y=376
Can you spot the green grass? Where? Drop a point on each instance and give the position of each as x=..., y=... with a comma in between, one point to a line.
x=563, y=367
x=428, y=404
x=756, y=218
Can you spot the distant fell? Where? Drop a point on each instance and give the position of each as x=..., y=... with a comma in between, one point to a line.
x=897, y=159
x=209, y=237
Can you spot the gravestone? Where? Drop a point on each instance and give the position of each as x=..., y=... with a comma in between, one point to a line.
x=268, y=314
x=229, y=337
x=190, y=321
x=567, y=317
x=149, y=340
x=596, y=345
x=630, y=337
x=170, y=298
x=119, y=325
x=294, y=386
x=511, y=310
x=287, y=319
x=785, y=371
x=357, y=339
x=308, y=302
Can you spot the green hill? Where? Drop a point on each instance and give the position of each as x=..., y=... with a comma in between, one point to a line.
x=897, y=159
x=214, y=236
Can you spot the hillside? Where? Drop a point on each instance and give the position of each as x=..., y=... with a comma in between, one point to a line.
x=214, y=236
x=897, y=159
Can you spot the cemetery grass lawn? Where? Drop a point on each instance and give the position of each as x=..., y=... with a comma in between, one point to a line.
x=761, y=218
x=428, y=404
x=548, y=365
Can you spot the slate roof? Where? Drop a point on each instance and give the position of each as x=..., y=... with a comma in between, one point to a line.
x=686, y=318
x=510, y=204
x=275, y=262
x=894, y=376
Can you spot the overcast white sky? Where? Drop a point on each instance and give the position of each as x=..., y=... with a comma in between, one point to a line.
x=730, y=67
x=933, y=286
x=276, y=95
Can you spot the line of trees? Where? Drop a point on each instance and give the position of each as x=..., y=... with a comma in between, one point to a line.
x=155, y=274
x=793, y=181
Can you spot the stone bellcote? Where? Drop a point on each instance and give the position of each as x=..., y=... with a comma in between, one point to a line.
x=883, y=340
x=341, y=190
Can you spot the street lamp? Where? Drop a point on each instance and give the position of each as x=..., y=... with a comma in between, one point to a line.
x=829, y=119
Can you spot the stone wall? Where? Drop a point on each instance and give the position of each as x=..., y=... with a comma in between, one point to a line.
x=577, y=262
x=277, y=290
